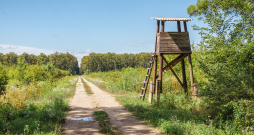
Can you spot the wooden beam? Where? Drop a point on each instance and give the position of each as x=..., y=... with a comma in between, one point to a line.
x=155, y=73
x=155, y=57
x=174, y=62
x=184, y=77
x=150, y=98
x=185, y=26
x=182, y=63
x=159, y=81
x=162, y=26
x=191, y=74
x=173, y=72
x=178, y=26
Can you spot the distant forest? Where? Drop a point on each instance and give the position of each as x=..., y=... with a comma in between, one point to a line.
x=63, y=61
x=110, y=61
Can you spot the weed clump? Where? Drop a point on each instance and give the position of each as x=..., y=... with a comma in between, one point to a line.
x=102, y=118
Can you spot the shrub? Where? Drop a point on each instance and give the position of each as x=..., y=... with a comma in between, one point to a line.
x=3, y=79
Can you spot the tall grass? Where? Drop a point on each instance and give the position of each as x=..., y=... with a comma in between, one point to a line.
x=177, y=113
x=36, y=108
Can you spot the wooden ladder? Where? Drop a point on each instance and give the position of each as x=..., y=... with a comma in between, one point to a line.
x=146, y=82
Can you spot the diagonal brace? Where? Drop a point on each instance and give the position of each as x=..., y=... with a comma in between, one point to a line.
x=174, y=62
x=173, y=71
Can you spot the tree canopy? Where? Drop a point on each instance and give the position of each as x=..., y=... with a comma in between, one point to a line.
x=110, y=61
x=226, y=52
x=63, y=61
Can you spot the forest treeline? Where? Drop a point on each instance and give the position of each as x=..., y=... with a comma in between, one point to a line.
x=95, y=62
x=63, y=61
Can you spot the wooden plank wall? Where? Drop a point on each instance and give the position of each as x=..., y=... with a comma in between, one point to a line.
x=173, y=42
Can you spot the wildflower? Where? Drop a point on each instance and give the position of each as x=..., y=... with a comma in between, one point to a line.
x=238, y=122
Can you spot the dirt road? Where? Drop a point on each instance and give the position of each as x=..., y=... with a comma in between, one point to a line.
x=82, y=105
x=101, y=100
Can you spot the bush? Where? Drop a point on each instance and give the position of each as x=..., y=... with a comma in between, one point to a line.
x=3, y=79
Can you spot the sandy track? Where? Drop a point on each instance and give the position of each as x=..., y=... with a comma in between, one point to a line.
x=82, y=105
x=119, y=117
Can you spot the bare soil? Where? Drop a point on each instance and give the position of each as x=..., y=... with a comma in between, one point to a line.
x=82, y=105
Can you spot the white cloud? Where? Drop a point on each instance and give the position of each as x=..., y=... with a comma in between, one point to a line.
x=21, y=49
x=88, y=50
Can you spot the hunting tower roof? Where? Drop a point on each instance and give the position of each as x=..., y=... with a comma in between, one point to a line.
x=172, y=19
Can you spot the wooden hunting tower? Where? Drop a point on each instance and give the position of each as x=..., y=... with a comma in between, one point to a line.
x=168, y=43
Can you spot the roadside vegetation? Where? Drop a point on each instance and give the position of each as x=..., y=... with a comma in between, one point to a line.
x=33, y=98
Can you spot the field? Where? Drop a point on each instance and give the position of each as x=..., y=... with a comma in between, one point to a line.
x=34, y=99
x=177, y=113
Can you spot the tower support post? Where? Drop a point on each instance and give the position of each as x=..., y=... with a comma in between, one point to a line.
x=155, y=59
x=159, y=81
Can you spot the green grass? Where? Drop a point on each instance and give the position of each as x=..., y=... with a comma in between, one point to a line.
x=38, y=108
x=176, y=113
x=102, y=118
x=87, y=87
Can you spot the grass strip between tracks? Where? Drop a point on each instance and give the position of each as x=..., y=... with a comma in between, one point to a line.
x=87, y=87
x=105, y=127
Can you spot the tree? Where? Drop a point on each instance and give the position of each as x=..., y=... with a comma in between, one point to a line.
x=226, y=53
x=42, y=59
x=10, y=58
x=3, y=79
x=1, y=58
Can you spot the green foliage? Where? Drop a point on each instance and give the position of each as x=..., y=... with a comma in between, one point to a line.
x=10, y=59
x=63, y=61
x=1, y=58
x=102, y=118
x=225, y=56
x=42, y=59
x=110, y=61
x=3, y=79
x=44, y=107
x=33, y=73
x=176, y=113
x=31, y=59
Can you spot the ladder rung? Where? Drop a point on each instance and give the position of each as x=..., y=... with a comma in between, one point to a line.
x=141, y=95
x=145, y=82
x=150, y=61
x=153, y=55
x=148, y=68
x=147, y=75
x=143, y=88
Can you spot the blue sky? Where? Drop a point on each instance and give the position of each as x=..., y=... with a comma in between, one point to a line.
x=84, y=26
